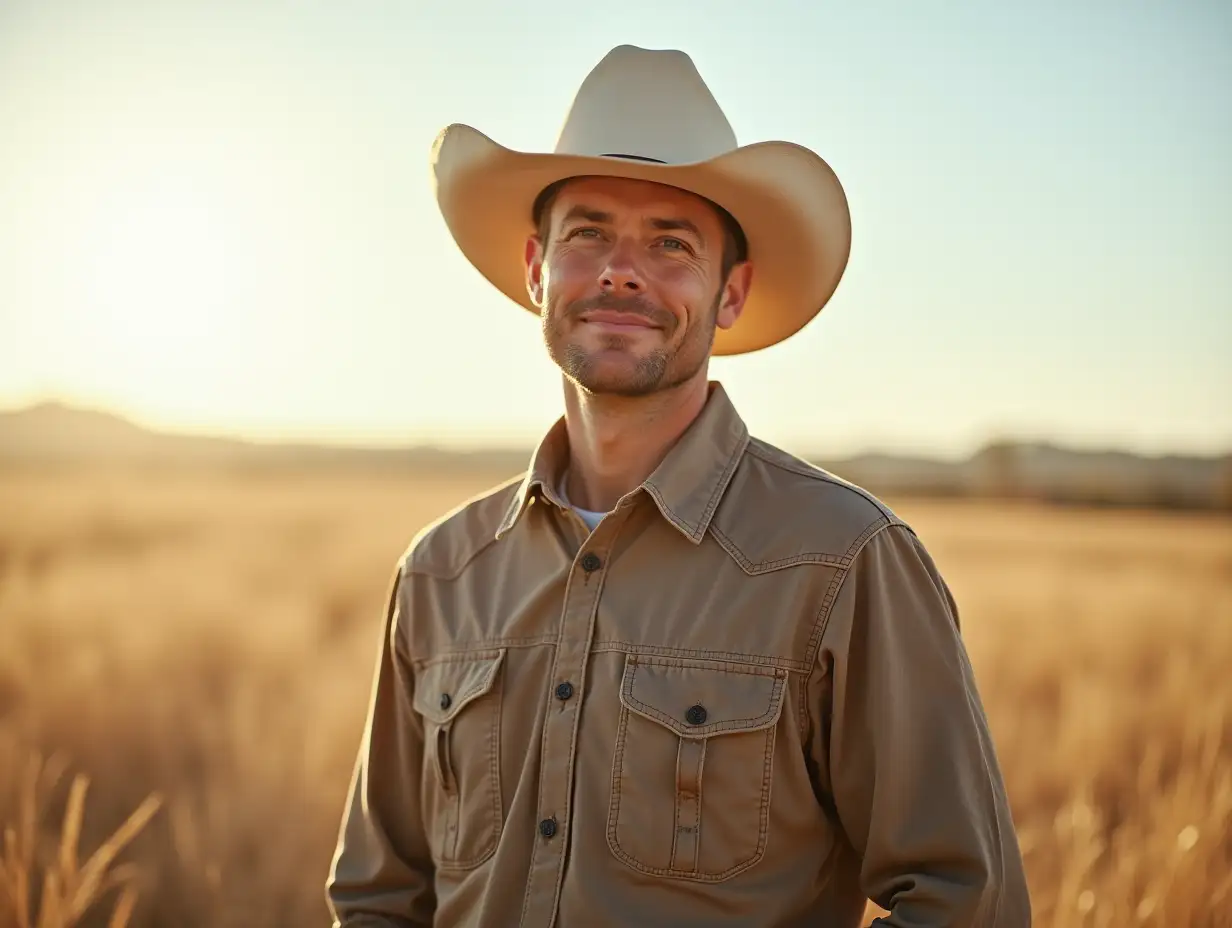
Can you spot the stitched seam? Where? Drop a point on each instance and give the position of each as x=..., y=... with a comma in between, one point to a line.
x=822, y=475
x=701, y=731
x=754, y=569
x=671, y=513
x=695, y=533
x=679, y=803
x=741, y=866
x=647, y=651
x=813, y=557
x=489, y=849
x=821, y=623
x=823, y=614
x=613, y=806
x=494, y=765
x=457, y=657
x=766, y=779
x=808, y=557
x=405, y=563
x=707, y=665
x=721, y=484
x=466, y=650
x=803, y=716
x=697, y=806
x=490, y=539
x=414, y=571
x=464, y=698
x=732, y=549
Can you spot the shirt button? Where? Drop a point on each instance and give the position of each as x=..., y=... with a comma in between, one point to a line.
x=591, y=562
x=446, y=700
x=547, y=827
x=696, y=715
x=564, y=691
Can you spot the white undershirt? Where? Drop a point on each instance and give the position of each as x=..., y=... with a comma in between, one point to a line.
x=589, y=516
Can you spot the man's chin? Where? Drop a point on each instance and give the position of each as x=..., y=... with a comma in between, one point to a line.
x=612, y=384
x=615, y=372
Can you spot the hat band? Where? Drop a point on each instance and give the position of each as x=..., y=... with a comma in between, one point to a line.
x=634, y=158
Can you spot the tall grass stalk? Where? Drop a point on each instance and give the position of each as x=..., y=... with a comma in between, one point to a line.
x=69, y=886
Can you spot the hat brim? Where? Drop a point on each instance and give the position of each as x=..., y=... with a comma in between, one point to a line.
x=787, y=200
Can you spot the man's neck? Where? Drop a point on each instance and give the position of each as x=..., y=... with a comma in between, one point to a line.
x=616, y=442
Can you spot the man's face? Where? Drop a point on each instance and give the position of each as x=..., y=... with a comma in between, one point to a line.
x=630, y=286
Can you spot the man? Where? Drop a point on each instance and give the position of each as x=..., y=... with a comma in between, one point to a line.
x=673, y=675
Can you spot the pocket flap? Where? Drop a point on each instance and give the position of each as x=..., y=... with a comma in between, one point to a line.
x=443, y=688
x=698, y=699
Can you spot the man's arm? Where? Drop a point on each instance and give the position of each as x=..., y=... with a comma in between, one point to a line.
x=382, y=874
x=913, y=774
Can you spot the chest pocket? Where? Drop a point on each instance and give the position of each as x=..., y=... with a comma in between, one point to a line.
x=691, y=774
x=459, y=699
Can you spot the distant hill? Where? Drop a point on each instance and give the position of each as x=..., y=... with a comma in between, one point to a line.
x=1040, y=471
x=52, y=435
x=56, y=435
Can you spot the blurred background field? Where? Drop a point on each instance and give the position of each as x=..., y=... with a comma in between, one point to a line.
x=207, y=636
x=216, y=220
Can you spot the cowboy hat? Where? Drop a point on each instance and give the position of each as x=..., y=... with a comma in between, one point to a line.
x=648, y=115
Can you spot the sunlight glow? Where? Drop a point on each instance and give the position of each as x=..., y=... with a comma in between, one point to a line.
x=159, y=282
x=163, y=290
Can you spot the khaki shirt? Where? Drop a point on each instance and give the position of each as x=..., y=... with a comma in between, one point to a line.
x=742, y=700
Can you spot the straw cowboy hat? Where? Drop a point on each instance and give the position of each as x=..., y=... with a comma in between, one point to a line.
x=648, y=115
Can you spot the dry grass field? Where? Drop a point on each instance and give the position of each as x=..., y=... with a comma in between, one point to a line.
x=204, y=642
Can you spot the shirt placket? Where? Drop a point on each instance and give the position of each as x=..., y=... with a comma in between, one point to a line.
x=566, y=690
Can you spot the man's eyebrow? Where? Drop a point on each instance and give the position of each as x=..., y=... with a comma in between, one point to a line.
x=677, y=225
x=587, y=213
x=662, y=224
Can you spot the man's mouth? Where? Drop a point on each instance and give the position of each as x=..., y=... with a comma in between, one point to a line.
x=617, y=321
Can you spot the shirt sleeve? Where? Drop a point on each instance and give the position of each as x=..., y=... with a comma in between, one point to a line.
x=382, y=874
x=912, y=772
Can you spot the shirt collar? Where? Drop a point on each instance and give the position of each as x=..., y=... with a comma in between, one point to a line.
x=687, y=486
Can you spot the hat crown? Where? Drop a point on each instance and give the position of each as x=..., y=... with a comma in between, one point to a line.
x=646, y=104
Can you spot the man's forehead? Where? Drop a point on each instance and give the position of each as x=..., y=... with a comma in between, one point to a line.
x=626, y=192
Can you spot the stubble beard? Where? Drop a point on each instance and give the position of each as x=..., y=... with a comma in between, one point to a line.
x=655, y=372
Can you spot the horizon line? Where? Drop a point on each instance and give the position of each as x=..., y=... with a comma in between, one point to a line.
x=307, y=441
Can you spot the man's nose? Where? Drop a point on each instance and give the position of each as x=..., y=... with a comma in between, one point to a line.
x=620, y=275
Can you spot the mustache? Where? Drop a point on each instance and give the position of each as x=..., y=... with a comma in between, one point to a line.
x=633, y=305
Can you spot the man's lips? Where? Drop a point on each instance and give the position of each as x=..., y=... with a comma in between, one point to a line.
x=616, y=320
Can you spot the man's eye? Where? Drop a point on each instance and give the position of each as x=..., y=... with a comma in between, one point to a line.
x=673, y=244
x=585, y=232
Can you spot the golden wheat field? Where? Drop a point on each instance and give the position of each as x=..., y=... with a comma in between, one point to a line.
x=194, y=650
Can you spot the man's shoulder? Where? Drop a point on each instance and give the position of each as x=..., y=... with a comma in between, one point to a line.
x=781, y=510
x=443, y=547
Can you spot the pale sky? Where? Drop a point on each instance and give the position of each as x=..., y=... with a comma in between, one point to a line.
x=217, y=216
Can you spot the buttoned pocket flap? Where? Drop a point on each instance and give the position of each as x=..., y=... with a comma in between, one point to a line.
x=444, y=688
x=700, y=699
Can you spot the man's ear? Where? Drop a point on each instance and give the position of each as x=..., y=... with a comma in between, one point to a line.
x=734, y=294
x=534, y=269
